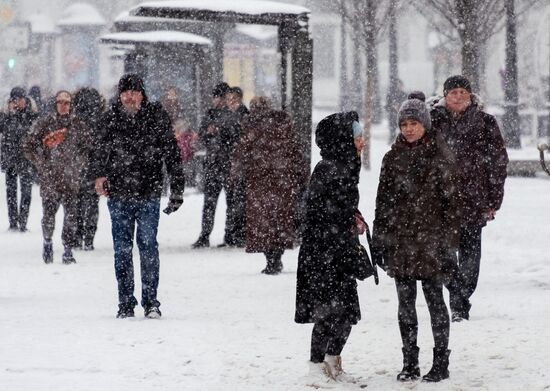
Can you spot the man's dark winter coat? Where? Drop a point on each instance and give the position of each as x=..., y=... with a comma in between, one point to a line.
x=132, y=151
x=417, y=216
x=481, y=157
x=59, y=168
x=221, y=143
x=14, y=127
x=324, y=286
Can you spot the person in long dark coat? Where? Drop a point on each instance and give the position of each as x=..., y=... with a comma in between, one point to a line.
x=14, y=126
x=416, y=231
x=59, y=146
x=271, y=163
x=326, y=294
x=88, y=107
x=475, y=139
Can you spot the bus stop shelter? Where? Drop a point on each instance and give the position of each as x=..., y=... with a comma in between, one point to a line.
x=211, y=19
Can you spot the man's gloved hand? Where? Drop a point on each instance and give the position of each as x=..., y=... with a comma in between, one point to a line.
x=174, y=203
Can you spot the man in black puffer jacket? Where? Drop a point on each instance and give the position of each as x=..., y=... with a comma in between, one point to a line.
x=137, y=139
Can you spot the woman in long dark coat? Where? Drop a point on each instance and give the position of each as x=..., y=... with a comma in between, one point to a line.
x=416, y=231
x=273, y=167
x=326, y=294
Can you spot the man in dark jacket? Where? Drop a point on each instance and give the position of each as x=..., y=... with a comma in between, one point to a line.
x=137, y=139
x=219, y=133
x=58, y=146
x=475, y=138
x=88, y=107
x=13, y=127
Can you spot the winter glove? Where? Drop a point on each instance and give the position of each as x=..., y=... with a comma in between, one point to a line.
x=174, y=204
x=378, y=258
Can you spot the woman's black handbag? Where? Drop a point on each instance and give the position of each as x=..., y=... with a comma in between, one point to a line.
x=363, y=267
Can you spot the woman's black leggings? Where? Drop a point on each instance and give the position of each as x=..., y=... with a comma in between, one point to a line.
x=329, y=337
x=408, y=321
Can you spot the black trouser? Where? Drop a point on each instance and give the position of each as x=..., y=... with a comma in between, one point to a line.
x=235, y=226
x=18, y=215
x=88, y=213
x=408, y=321
x=273, y=256
x=465, y=279
x=329, y=336
x=215, y=182
x=51, y=201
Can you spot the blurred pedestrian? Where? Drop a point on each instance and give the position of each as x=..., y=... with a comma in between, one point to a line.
x=58, y=146
x=474, y=137
x=14, y=126
x=89, y=106
x=187, y=141
x=416, y=231
x=394, y=98
x=137, y=139
x=326, y=289
x=219, y=137
x=35, y=94
x=271, y=163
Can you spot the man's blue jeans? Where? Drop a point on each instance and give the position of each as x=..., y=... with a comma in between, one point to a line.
x=125, y=215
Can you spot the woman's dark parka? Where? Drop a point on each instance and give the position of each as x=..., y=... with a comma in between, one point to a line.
x=324, y=287
x=417, y=214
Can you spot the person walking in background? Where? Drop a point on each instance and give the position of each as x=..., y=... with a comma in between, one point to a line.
x=36, y=95
x=88, y=107
x=271, y=163
x=58, y=146
x=187, y=141
x=416, y=231
x=127, y=164
x=14, y=126
x=171, y=103
x=394, y=98
x=218, y=137
x=475, y=138
x=326, y=293
x=237, y=96
x=235, y=222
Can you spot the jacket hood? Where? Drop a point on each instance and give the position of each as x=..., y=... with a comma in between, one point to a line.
x=334, y=136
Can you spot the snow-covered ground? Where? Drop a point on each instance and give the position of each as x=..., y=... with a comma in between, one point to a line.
x=226, y=326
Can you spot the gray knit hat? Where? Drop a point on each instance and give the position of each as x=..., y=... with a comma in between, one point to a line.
x=414, y=109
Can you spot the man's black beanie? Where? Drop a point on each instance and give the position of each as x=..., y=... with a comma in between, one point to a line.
x=456, y=81
x=131, y=81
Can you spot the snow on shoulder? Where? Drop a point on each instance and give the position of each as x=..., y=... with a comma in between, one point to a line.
x=155, y=37
x=250, y=7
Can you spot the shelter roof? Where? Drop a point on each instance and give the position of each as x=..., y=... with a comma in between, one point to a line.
x=161, y=36
x=241, y=11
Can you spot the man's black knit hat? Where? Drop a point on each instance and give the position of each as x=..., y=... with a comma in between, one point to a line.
x=456, y=81
x=131, y=81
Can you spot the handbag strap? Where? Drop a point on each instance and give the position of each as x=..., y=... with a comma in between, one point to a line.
x=369, y=241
